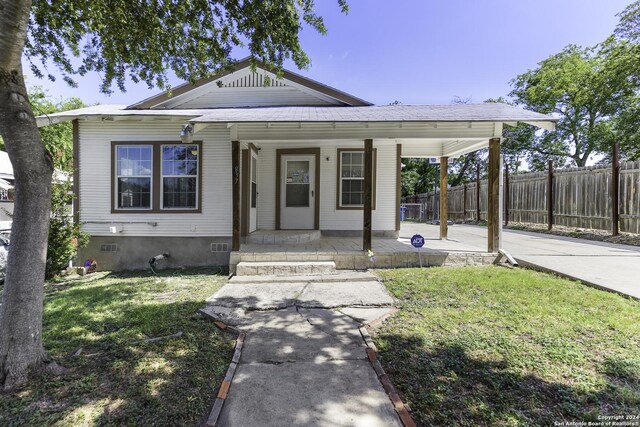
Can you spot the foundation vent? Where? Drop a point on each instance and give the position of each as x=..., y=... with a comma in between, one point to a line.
x=109, y=247
x=219, y=247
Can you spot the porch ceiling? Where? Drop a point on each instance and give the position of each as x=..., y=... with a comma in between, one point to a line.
x=449, y=139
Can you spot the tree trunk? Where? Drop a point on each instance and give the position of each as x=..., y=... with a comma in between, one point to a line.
x=580, y=161
x=468, y=160
x=21, y=348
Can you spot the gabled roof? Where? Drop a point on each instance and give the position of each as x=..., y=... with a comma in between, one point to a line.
x=341, y=98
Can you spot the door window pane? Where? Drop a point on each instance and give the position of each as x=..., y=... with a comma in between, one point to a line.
x=297, y=183
x=254, y=194
x=254, y=180
x=297, y=171
x=297, y=195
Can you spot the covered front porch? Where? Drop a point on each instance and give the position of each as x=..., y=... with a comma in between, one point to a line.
x=384, y=135
x=276, y=246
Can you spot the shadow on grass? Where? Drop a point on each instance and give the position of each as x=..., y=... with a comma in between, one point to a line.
x=449, y=386
x=117, y=379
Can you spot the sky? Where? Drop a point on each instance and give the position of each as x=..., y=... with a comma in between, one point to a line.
x=420, y=51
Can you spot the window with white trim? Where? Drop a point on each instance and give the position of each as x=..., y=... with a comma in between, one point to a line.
x=179, y=176
x=351, y=178
x=134, y=172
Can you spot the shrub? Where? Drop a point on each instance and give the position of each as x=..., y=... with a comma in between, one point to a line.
x=65, y=236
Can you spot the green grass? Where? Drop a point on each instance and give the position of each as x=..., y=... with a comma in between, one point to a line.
x=490, y=346
x=118, y=380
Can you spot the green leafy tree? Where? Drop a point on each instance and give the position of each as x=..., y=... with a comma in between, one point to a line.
x=408, y=181
x=516, y=144
x=119, y=40
x=58, y=138
x=628, y=27
x=625, y=57
x=463, y=169
x=417, y=176
x=65, y=236
x=586, y=89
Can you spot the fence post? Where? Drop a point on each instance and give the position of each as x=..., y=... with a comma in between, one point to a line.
x=506, y=195
x=478, y=192
x=550, y=197
x=464, y=202
x=615, y=190
x=444, y=205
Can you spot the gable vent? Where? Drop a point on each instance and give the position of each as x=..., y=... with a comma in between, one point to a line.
x=109, y=247
x=219, y=247
x=254, y=80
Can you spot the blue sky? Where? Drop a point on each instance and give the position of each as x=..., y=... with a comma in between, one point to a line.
x=422, y=51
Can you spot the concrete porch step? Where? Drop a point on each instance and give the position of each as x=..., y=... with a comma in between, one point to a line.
x=280, y=237
x=335, y=277
x=285, y=268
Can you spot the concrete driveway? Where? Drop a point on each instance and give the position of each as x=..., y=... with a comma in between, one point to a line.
x=606, y=265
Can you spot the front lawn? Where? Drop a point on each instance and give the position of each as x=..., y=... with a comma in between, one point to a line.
x=118, y=378
x=490, y=346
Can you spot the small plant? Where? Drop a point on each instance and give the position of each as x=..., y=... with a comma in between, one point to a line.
x=372, y=257
x=65, y=236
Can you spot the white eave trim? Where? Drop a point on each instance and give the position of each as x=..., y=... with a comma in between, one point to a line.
x=546, y=125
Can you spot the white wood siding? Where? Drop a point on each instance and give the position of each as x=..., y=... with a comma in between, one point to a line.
x=247, y=89
x=215, y=219
x=330, y=218
x=95, y=181
x=230, y=97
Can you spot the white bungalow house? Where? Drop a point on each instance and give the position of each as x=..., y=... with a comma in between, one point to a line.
x=291, y=155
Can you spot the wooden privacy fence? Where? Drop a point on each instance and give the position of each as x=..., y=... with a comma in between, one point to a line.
x=581, y=197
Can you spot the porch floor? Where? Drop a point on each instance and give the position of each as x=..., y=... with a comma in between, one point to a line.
x=347, y=252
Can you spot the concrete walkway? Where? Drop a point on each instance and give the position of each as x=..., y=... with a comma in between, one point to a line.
x=606, y=265
x=304, y=360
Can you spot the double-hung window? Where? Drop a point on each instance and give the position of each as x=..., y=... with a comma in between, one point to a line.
x=156, y=177
x=351, y=179
x=179, y=176
x=133, y=176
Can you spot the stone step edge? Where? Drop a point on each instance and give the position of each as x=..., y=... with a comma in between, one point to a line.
x=284, y=268
x=323, y=277
x=285, y=263
x=285, y=238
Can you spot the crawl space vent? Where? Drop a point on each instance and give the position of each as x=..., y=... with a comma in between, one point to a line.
x=219, y=247
x=108, y=247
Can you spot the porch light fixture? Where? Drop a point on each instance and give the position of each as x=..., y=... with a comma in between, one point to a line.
x=186, y=134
